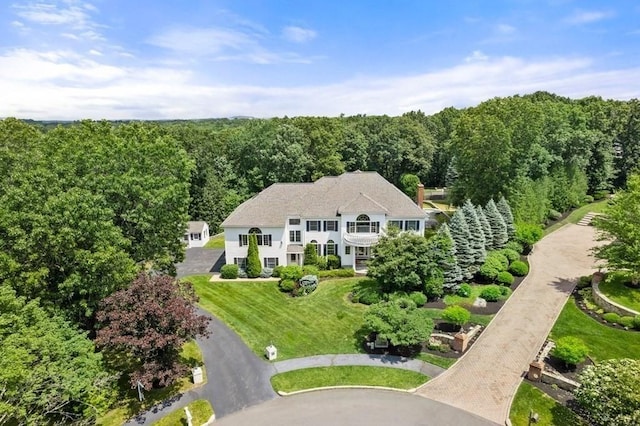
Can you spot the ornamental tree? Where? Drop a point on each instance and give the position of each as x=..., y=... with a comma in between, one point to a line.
x=399, y=321
x=254, y=266
x=147, y=324
x=620, y=225
x=498, y=227
x=505, y=211
x=609, y=392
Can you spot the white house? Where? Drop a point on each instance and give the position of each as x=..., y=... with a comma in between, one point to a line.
x=342, y=215
x=197, y=234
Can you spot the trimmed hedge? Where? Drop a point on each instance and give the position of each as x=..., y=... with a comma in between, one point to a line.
x=337, y=273
x=456, y=315
x=519, y=268
x=491, y=293
x=229, y=272
x=287, y=285
x=505, y=278
x=611, y=317
x=291, y=272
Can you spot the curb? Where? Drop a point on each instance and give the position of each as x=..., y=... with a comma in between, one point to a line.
x=283, y=393
x=210, y=421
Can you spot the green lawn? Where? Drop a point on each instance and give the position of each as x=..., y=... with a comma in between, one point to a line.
x=604, y=342
x=200, y=410
x=324, y=322
x=310, y=378
x=550, y=412
x=578, y=214
x=613, y=287
x=215, y=242
x=440, y=361
x=128, y=403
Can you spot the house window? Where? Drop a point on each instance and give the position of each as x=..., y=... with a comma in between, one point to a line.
x=186, y=237
x=243, y=240
x=331, y=225
x=395, y=223
x=263, y=240
x=295, y=236
x=270, y=262
x=411, y=225
x=347, y=249
x=195, y=236
x=363, y=225
x=316, y=245
x=330, y=248
x=313, y=225
x=241, y=262
x=294, y=221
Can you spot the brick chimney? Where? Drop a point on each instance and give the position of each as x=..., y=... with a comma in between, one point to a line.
x=420, y=195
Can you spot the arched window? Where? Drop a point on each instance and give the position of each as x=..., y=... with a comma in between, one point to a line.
x=316, y=245
x=363, y=224
x=331, y=248
x=255, y=231
x=363, y=218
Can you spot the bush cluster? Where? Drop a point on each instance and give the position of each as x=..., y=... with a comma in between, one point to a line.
x=277, y=270
x=510, y=254
x=491, y=293
x=287, y=285
x=291, y=272
x=611, y=317
x=229, y=272
x=337, y=273
x=519, y=268
x=456, y=315
x=310, y=270
x=464, y=290
x=321, y=262
x=334, y=262
x=495, y=263
x=515, y=246
x=418, y=298
x=505, y=278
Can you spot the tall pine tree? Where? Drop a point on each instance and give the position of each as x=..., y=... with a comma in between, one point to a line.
x=477, y=241
x=461, y=237
x=498, y=227
x=486, y=228
x=448, y=261
x=254, y=266
x=505, y=210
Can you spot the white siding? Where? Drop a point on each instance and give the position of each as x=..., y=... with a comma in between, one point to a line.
x=277, y=249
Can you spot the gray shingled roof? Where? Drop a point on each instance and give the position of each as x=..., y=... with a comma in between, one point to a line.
x=195, y=226
x=355, y=192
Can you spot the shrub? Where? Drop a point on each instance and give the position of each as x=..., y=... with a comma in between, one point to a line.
x=495, y=263
x=600, y=195
x=584, y=282
x=491, y=293
x=254, y=266
x=434, y=287
x=504, y=291
x=277, y=270
x=310, y=254
x=464, y=290
x=571, y=350
x=510, y=254
x=519, y=268
x=242, y=273
x=456, y=315
x=337, y=273
x=627, y=321
x=554, y=215
x=515, y=246
x=366, y=296
x=322, y=263
x=528, y=234
x=418, y=298
x=587, y=199
x=287, y=285
x=333, y=262
x=266, y=273
x=611, y=317
x=229, y=272
x=505, y=278
x=291, y=272
x=310, y=270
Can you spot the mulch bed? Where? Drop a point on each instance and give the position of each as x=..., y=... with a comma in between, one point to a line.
x=580, y=303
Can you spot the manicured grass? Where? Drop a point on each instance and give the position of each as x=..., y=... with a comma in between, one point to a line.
x=310, y=378
x=215, y=242
x=440, y=361
x=483, y=320
x=128, y=403
x=615, y=289
x=604, y=342
x=550, y=412
x=200, y=410
x=578, y=214
x=324, y=322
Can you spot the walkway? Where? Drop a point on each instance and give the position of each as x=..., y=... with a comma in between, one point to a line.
x=486, y=378
x=359, y=359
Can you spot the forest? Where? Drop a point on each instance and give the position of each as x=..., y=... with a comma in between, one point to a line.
x=85, y=206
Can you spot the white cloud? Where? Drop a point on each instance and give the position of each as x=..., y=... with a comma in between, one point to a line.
x=71, y=13
x=64, y=85
x=505, y=29
x=298, y=34
x=476, y=56
x=588, y=17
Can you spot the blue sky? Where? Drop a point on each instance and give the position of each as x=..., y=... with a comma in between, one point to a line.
x=115, y=59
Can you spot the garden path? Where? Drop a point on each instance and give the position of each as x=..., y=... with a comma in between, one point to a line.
x=486, y=378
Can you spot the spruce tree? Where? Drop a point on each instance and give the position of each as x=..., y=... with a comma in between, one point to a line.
x=310, y=255
x=461, y=237
x=254, y=266
x=498, y=227
x=448, y=261
x=505, y=210
x=486, y=228
x=477, y=241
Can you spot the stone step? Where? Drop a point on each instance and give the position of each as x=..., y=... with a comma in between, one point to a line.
x=586, y=220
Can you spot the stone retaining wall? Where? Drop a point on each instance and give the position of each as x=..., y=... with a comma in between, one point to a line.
x=604, y=302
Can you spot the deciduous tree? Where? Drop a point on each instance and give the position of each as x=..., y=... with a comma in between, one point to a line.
x=399, y=321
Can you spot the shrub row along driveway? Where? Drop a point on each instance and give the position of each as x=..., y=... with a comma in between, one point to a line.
x=485, y=379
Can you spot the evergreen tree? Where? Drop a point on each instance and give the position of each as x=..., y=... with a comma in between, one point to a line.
x=310, y=254
x=448, y=261
x=461, y=237
x=254, y=266
x=486, y=228
x=477, y=242
x=498, y=227
x=505, y=210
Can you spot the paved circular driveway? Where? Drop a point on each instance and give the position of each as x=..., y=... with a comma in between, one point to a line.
x=199, y=260
x=353, y=407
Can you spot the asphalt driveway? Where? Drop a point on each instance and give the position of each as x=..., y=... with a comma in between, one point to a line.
x=199, y=260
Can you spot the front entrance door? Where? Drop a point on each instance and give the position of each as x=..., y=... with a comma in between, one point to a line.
x=293, y=259
x=362, y=255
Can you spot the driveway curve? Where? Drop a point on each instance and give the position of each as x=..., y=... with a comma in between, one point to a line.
x=486, y=378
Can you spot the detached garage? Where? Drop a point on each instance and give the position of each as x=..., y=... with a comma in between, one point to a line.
x=197, y=234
